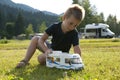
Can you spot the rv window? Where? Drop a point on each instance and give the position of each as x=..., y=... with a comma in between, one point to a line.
x=104, y=30
x=57, y=59
x=67, y=60
x=90, y=30
x=75, y=61
x=50, y=59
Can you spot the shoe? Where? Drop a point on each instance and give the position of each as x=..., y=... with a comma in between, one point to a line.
x=22, y=63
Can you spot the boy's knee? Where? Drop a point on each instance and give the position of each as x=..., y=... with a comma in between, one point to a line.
x=42, y=59
x=36, y=38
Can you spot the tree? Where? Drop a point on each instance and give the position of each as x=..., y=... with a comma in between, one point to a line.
x=19, y=25
x=98, y=18
x=29, y=30
x=10, y=30
x=42, y=27
x=101, y=18
x=118, y=28
x=2, y=24
x=112, y=22
x=10, y=17
x=75, y=2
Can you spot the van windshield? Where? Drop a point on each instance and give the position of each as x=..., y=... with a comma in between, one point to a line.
x=75, y=61
x=108, y=30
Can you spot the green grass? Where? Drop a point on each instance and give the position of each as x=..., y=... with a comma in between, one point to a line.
x=100, y=56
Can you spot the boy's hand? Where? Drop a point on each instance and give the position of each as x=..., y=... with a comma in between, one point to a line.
x=48, y=51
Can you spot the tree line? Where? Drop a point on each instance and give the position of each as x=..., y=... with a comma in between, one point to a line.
x=14, y=21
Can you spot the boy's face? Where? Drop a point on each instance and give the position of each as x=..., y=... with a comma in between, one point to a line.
x=70, y=23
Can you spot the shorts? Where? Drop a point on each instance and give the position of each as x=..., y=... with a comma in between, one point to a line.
x=48, y=44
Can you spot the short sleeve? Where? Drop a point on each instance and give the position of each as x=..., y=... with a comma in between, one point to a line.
x=49, y=30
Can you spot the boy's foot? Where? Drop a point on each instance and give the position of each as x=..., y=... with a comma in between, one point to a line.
x=22, y=63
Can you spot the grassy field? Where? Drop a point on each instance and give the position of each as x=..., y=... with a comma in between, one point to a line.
x=100, y=56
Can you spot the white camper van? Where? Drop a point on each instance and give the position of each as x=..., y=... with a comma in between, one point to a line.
x=97, y=31
x=62, y=60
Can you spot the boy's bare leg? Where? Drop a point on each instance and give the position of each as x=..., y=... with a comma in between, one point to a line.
x=32, y=48
x=30, y=51
x=42, y=59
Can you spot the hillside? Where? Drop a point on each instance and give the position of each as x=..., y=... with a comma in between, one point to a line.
x=10, y=11
x=23, y=7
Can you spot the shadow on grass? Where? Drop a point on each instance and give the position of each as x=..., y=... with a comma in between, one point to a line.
x=37, y=72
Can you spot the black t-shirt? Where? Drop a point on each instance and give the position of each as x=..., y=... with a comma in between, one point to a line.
x=62, y=41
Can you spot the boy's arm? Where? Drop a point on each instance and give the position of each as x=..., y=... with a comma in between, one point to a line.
x=77, y=49
x=42, y=44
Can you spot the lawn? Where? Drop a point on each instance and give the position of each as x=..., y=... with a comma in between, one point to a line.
x=101, y=58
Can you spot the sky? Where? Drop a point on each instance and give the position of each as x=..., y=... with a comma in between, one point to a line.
x=107, y=7
x=59, y=6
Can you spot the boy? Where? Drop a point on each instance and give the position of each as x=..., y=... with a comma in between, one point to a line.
x=64, y=34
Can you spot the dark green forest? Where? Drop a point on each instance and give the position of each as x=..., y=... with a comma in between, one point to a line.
x=15, y=21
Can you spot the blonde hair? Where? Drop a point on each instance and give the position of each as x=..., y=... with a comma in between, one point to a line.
x=76, y=10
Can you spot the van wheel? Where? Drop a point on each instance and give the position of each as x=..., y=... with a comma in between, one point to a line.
x=86, y=37
x=107, y=36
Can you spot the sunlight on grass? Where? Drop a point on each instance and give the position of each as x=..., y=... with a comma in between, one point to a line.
x=100, y=56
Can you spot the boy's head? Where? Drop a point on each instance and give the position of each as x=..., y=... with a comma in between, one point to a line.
x=72, y=17
x=76, y=10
